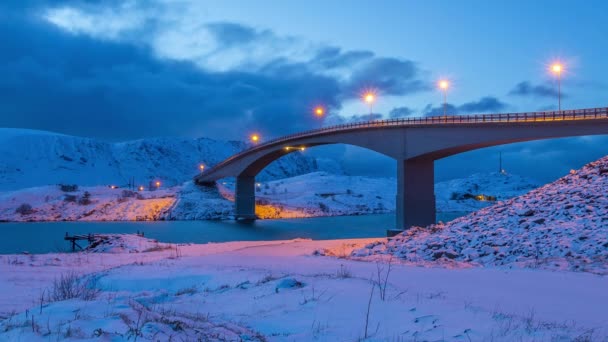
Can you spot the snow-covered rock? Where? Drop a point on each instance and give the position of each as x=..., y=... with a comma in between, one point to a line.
x=562, y=225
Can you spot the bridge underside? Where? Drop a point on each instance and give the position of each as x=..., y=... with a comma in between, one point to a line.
x=415, y=194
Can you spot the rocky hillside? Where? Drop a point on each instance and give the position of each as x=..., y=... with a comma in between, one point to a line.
x=562, y=225
x=31, y=158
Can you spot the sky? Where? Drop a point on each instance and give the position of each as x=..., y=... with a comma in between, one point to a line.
x=122, y=70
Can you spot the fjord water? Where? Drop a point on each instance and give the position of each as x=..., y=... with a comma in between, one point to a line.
x=47, y=237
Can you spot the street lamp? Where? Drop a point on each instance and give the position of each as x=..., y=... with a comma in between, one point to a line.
x=369, y=97
x=319, y=111
x=255, y=138
x=201, y=167
x=444, y=85
x=157, y=184
x=557, y=69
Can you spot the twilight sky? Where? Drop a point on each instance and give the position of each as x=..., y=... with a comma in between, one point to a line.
x=119, y=70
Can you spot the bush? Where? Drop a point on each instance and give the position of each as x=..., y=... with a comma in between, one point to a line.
x=68, y=187
x=85, y=199
x=24, y=209
x=70, y=286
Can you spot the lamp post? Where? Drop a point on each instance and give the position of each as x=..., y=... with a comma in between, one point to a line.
x=444, y=85
x=557, y=69
x=369, y=98
x=201, y=167
x=255, y=138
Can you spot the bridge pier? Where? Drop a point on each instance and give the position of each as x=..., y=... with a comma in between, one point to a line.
x=244, y=198
x=415, y=193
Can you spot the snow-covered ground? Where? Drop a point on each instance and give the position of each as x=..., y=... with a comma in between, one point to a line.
x=282, y=291
x=309, y=195
x=50, y=203
x=33, y=158
x=562, y=225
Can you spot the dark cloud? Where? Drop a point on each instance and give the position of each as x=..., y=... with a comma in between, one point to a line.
x=528, y=89
x=390, y=76
x=331, y=57
x=73, y=84
x=487, y=104
x=400, y=112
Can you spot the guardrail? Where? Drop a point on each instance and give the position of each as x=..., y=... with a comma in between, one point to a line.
x=547, y=116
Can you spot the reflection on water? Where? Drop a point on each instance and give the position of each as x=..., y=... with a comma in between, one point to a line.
x=45, y=237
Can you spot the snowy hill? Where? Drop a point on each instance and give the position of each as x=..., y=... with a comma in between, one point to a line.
x=562, y=225
x=30, y=158
x=312, y=194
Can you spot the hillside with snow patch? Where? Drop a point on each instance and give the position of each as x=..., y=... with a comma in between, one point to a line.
x=30, y=158
x=562, y=225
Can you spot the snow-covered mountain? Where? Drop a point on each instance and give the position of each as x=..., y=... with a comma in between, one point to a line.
x=562, y=225
x=30, y=158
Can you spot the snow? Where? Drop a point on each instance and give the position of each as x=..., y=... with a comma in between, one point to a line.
x=560, y=226
x=310, y=195
x=35, y=158
x=49, y=203
x=280, y=291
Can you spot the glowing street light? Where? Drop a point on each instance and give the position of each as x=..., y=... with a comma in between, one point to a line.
x=319, y=111
x=157, y=184
x=557, y=69
x=255, y=138
x=369, y=97
x=141, y=188
x=444, y=85
x=201, y=167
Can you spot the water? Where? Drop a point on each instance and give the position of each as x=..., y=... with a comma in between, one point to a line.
x=47, y=237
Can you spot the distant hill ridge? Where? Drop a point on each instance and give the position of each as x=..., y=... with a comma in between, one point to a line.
x=31, y=158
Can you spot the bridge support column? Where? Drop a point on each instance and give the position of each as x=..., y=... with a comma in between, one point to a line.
x=415, y=193
x=244, y=198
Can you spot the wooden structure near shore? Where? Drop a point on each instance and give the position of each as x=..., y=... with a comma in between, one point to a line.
x=73, y=239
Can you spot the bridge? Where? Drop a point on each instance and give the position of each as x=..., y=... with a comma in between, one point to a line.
x=415, y=143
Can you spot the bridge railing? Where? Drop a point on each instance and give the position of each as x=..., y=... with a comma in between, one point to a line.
x=546, y=116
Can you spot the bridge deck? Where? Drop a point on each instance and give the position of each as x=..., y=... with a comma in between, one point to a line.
x=546, y=116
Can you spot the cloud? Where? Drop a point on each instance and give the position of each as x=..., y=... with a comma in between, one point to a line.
x=400, y=112
x=331, y=57
x=229, y=46
x=390, y=76
x=76, y=84
x=67, y=69
x=528, y=89
x=487, y=104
